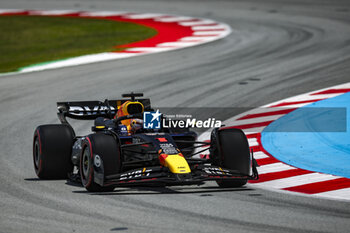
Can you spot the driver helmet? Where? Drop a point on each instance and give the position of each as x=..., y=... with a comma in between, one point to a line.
x=130, y=108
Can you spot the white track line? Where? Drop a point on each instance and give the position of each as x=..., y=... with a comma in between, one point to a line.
x=294, y=105
x=174, y=19
x=52, y=12
x=81, y=60
x=311, y=97
x=204, y=28
x=253, y=142
x=196, y=23
x=210, y=33
x=260, y=155
x=104, y=13
x=254, y=130
x=145, y=16
x=297, y=180
x=198, y=38
x=177, y=44
x=274, y=167
x=339, y=194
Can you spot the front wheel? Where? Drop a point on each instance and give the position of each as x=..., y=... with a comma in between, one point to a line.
x=230, y=149
x=97, y=147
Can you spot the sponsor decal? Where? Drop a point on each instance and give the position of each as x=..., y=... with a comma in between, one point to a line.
x=86, y=110
x=97, y=161
x=136, y=140
x=216, y=171
x=168, y=148
x=162, y=139
x=123, y=129
x=155, y=134
x=135, y=174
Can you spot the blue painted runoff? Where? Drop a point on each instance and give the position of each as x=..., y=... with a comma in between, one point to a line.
x=315, y=137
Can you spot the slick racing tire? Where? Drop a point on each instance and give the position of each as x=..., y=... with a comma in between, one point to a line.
x=230, y=149
x=52, y=149
x=105, y=148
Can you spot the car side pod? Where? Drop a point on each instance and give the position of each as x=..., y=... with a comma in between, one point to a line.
x=176, y=163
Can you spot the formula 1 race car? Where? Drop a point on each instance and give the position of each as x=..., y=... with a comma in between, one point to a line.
x=118, y=154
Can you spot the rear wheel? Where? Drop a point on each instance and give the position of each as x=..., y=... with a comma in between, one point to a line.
x=230, y=149
x=99, y=147
x=52, y=148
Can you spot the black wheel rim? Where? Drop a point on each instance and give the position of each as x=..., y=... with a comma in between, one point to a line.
x=36, y=153
x=85, y=163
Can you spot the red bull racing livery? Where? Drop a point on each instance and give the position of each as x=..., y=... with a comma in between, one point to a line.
x=122, y=151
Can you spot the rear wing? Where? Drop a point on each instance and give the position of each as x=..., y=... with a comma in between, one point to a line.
x=90, y=110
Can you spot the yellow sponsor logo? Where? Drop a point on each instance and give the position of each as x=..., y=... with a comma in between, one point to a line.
x=177, y=164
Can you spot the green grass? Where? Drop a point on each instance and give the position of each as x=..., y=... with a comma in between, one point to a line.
x=28, y=40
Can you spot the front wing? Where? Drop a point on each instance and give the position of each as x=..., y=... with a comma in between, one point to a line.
x=162, y=176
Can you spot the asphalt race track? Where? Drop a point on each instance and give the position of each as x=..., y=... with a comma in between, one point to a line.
x=277, y=49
